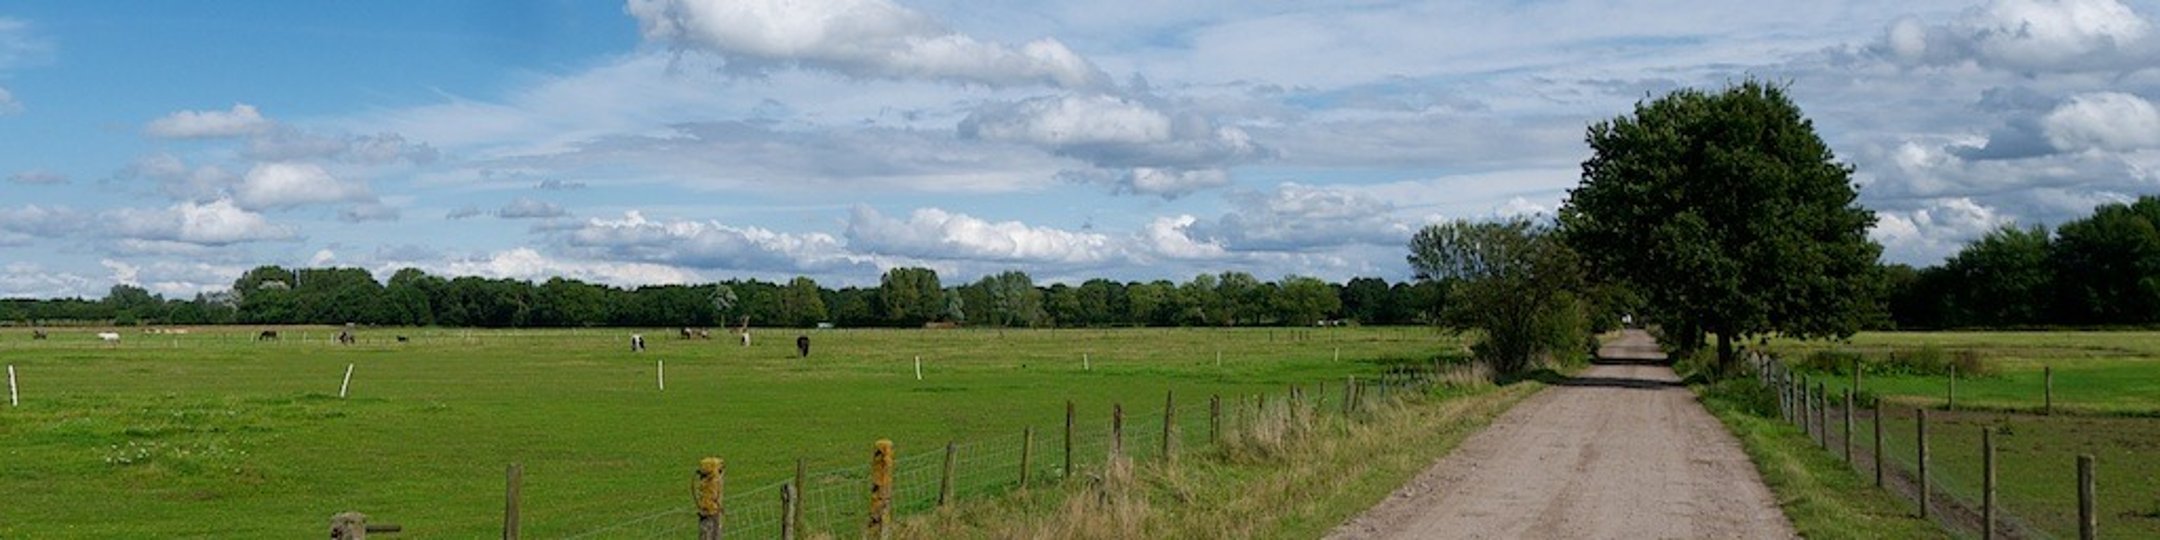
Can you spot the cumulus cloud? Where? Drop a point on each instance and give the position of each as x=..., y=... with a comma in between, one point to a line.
x=216, y=223
x=369, y=211
x=932, y=233
x=242, y=120
x=2108, y=121
x=288, y=144
x=38, y=177
x=531, y=265
x=463, y=212
x=288, y=184
x=1935, y=230
x=707, y=245
x=559, y=185
x=739, y=156
x=530, y=208
x=1295, y=217
x=178, y=180
x=872, y=39
x=2028, y=36
x=1172, y=238
x=19, y=226
x=31, y=280
x=1134, y=146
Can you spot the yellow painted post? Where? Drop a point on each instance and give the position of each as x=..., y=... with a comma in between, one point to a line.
x=881, y=494
x=712, y=517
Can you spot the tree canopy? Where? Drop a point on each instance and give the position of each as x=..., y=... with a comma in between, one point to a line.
x=1511, y=280
x=1728, y=215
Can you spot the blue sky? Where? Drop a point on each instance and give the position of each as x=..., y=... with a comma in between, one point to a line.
x=175, y=145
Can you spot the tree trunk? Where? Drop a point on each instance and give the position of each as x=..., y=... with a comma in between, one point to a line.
x=1724, y=350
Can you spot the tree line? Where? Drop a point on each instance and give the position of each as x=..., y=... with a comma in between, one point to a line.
x=904, y=297
x=2100, y=270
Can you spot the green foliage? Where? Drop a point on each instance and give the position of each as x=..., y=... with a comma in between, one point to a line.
x=1512, y=281
x=1305, y=300
x=2108, y=265
x=1728, y=214
x=911, y=295
x=1929, y=361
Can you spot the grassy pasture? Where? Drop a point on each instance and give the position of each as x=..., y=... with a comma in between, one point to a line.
x=2107, y=400
x=212, y=434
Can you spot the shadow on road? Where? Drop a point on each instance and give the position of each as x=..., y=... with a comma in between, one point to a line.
x=1615, y=382
x=1630, y=362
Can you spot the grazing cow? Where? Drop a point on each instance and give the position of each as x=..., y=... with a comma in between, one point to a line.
x=802, y=345
x=403, y=339
x=345, y=337
x=267, y=335
x=37, y=335
x=686, y=332
x=111, y=338
x=637, y=342
x=704, y=334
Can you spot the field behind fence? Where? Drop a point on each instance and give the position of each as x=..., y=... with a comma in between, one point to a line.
x=2003, y=472
x=835, y=499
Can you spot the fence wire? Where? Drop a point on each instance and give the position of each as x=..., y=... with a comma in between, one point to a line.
x=835, y=501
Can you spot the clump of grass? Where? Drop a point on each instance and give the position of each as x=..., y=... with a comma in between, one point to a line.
x=1928, y=361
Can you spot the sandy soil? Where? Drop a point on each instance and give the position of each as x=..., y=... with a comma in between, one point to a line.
x=1620, y=451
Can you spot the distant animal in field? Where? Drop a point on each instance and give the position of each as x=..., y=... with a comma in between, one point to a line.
x=686, y=332
x=403, y=339
x=346, y=338
x=267, y=335
x=110, y=338
x=37, y=335
x=637, y=342
x=745, y=339
x=704, y=334
x=802, y=346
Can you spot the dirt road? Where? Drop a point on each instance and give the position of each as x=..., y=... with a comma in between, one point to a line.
x=1620, y=451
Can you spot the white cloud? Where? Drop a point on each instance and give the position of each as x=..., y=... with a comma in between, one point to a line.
x=530, y=265
x=874, y=39
x=1134, y=147
x=530, y=208
x=38, y=177
x=241, y=120
x=463, y=212
x=1151, y=181
x=1936, y=230
x=177, y=180
x=2108, y=121
x=1296, y=217
x=2029, y=36
x=19, y=226
x=932, y=233
x=707, y=245
x=31, y=280
x=217, y=223
x=289, y=144
x=286, y=185
x=1171, y=237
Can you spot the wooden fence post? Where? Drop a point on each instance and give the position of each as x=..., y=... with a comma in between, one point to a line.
x=1822, y=415
x=1349, y=393
x=1879, y=457
x=1027, y=453
x=1117, y=430
x=1920, y=426
x=1068, y=470
x=2048, y=372
x=881, y=494
x=1169, y=423
x=802, y=489
x=1848, y=425
x=1214, y=418
x=2088, y=518
x=712, y=517
x=790, y=510
x=945, y=480
x=514, y=479
x=1987, y=481
x=1952, y=406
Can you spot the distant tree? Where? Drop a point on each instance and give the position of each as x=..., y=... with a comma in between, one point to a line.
x=853, y=306
x=1012, y=299
x=1365, y=300
x=1198, y=301
x=1149, y=304
x=1729, y=215
x=802, y=303
x=2107, y=265
x=2002, y=279
x=723, y=301
x=1305, y=300
x=1513, y=281
x=405, y=298
x=1063, y=303
x=911, y=295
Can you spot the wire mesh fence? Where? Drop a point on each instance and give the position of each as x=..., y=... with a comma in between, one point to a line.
x=835, y=501
x=2036, y=491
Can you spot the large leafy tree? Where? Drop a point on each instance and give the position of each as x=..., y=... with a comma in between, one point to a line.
x=1512, y=281
x=911, y=295
x=2003, y=278
x=2108, y=265
x=1729, y=215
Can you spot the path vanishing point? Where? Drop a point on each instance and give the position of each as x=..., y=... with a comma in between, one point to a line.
x=1620, y=451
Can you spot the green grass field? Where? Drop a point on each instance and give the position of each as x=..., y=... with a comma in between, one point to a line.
x=2107, y=399
x=212, y=434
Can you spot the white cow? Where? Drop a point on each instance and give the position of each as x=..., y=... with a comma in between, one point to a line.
x=109, y=337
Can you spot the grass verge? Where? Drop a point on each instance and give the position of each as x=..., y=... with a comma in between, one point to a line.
x=1822, y=496
x=1291, y=475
